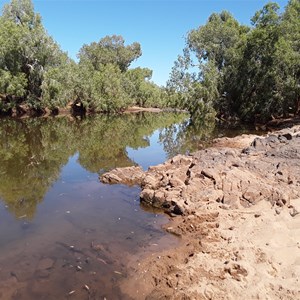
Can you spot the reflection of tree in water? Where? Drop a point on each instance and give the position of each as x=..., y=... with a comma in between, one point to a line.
x=189, y=136
x=186, y=137
x=104, y=140
x=33, y=151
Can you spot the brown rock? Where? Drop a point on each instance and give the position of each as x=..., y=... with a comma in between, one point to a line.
x=269, y=171
x=128, y=175
x=45, y=264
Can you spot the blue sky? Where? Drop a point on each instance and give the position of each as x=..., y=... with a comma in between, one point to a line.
x=158, y=25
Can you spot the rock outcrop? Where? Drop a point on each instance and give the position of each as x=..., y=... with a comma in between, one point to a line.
x=233, y=244
x=269, y=169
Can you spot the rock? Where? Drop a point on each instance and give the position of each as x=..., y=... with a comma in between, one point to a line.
x=258, y=144
x=236, y=271
x=151, y=181
x=147, y=196
x=175, y=182
x=269, y=171
x=128, y=175
x=45, y=264
x=177, y=210
x=252, y=194
x=288, y=136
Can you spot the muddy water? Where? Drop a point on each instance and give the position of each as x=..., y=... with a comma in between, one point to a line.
x=63, y=234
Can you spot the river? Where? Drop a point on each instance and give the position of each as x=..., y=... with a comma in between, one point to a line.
x=63, y=234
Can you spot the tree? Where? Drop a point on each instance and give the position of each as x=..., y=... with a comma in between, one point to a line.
x=139, y=88
x=26, y=54
x=246, y=73
x=287, y=57
x=110, y=50
x=199, y=85
x=36, y=74
x=59, y=84
x=213, y=41
x=260, y=94
x=107, y=84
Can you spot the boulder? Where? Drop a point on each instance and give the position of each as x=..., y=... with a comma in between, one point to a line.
x=128, y=175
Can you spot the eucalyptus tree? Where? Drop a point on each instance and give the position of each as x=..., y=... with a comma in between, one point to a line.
x=141, y=90
x=251, y=73
x=110, y=50
x=287, y=57
x=257, y=73
x=269, y=71
x=111, y=86
x=26, y=54
x=198, y=75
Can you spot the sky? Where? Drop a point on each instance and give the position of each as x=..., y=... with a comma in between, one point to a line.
x=160, y=26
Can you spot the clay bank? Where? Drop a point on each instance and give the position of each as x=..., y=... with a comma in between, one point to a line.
x=236, y=207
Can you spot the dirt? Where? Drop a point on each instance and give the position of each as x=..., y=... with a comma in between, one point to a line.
x=236, y=209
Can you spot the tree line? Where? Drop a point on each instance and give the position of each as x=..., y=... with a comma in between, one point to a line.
x=227, y=70
x=239, y=72
x=35, y=74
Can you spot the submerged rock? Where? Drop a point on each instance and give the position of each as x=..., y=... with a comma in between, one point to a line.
x=129, y=175
x=45, y=264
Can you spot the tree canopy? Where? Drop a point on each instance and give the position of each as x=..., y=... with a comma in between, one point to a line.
x=27, y=53
x=235, y=71
x=110, y=50
x=227, y=70
x=35, y=74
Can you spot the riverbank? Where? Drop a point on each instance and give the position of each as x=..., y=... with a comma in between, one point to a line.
x=235, y=207
x=25, y=112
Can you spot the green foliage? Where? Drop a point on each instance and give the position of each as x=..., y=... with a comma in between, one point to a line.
x=110, y=50
x=245, y=73
x=35, y=74
x=27, y=52
x=107, y=92
x=107, y=84
x=21, y=12
x=141, y=90
x=187, y=91
x=287, y=57
x=212, y=41
x=13, y=84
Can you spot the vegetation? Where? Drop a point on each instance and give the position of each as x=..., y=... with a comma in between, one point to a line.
x=245, y=73
x=227, y=70
x=36, y=74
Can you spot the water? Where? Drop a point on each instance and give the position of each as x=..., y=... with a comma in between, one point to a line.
x=64, y=234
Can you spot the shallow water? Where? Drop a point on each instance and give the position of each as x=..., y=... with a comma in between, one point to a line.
x=64, y=234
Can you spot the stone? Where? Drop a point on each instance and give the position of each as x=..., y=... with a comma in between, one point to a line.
x=128, y=175
x=45, y=264
x=269, y=171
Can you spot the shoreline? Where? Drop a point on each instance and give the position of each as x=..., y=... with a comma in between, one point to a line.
x=25, y=113
x=63, y=112
x=236, y=208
